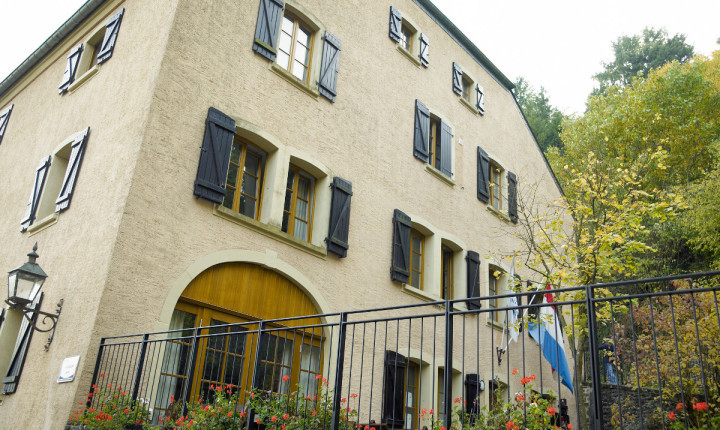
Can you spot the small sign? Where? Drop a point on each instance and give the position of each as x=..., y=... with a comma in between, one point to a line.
x=68, y=369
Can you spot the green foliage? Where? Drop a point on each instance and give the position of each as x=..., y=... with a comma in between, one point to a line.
x=298, y=412
x=224, y=411
x=672, y=346
x=544, y=119
x=529, y=410
x=114, y=410
x=636, y=55
x=702, y=221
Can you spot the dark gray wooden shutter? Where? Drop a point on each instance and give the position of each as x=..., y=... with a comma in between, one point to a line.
x=446, y=135
x=424, y=48
x=12, y=377
x=337, y=240
x=214, y=156
x=422, y=132
x=472, y=391
x=4, y=118
x=267, y=28
x=111, y=31
x=32, y=205
x=73, y=167
x=400, y=270
x=2, y=317
x=329, y=67
x=480, y=96
x=394, y=390
x=512, y=197
x=395, y=24
x=71, y=67
x=456, y=78
x=473, y=279
x=483, y=175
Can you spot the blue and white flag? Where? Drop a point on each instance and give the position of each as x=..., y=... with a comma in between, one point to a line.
x=546, y=331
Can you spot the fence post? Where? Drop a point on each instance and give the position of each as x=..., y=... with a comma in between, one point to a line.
x=141, y=360
x=97, y=369
x=337, y=394
x=596, y=407
x=448, y=364
x=193, y=355
x=256, y=375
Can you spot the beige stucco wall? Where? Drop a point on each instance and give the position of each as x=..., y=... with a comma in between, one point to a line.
x=134, y=234
x=76, y=250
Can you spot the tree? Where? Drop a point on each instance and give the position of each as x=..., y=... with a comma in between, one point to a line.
x=637, y=55
x=674, y=108
x=544, y=120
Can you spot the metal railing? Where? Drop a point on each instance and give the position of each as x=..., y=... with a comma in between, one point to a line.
x=639, y=354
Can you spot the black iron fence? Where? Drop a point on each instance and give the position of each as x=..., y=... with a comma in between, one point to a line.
x=640, y=354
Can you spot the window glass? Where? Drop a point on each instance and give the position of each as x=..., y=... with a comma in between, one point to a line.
x=466, y=86
x=294, y=47
x=406, y=36
x=275, y=363
x=493, y=291
x=447, y=273
x=297, y=212
x=495, y=186
x=434, y=144
x=416, y=259
x=441, y=395
x=243, y=191
x=411, y=396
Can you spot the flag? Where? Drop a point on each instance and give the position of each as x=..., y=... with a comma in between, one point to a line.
x=546, y=331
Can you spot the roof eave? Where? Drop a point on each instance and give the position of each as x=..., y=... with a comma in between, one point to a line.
x=49, y=45
x=464, y=42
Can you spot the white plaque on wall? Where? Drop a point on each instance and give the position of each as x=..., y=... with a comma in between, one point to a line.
x=68, y=369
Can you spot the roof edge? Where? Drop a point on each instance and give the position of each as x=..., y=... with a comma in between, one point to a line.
x=49, y=45
x=457, y=35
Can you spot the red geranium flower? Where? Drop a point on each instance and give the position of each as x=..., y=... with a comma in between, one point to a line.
x=671, y=415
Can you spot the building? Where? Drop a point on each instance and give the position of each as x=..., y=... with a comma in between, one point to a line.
x=123, y=139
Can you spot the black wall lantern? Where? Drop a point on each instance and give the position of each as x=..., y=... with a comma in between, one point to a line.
x=24, y=284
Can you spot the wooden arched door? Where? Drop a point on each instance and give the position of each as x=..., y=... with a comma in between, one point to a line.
x=224, y=354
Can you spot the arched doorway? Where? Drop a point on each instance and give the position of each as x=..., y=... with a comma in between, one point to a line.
x=223, y=304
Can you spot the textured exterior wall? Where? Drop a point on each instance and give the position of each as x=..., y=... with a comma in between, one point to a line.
x=121, y=254
x=76, y=251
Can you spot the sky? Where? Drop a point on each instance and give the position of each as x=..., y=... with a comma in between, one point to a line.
x=555, y=44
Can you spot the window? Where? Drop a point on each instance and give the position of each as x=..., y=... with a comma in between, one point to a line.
x=466, y=88
x=441, y=395
x=463, y=85
x=432, y=140
x=490, y=186
x=409, y=39
x=496, y=186
x=288, y=35
x=406, y=37
x=493, y=291
x=297, y=212
x=417, y=245
x=246, y=170
x=228, y=357
x=294, y=48
x=401, y=394
x=497, y=285
x=446, y=282
x=96, y=50
x=411, y=395
x=55, y=180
